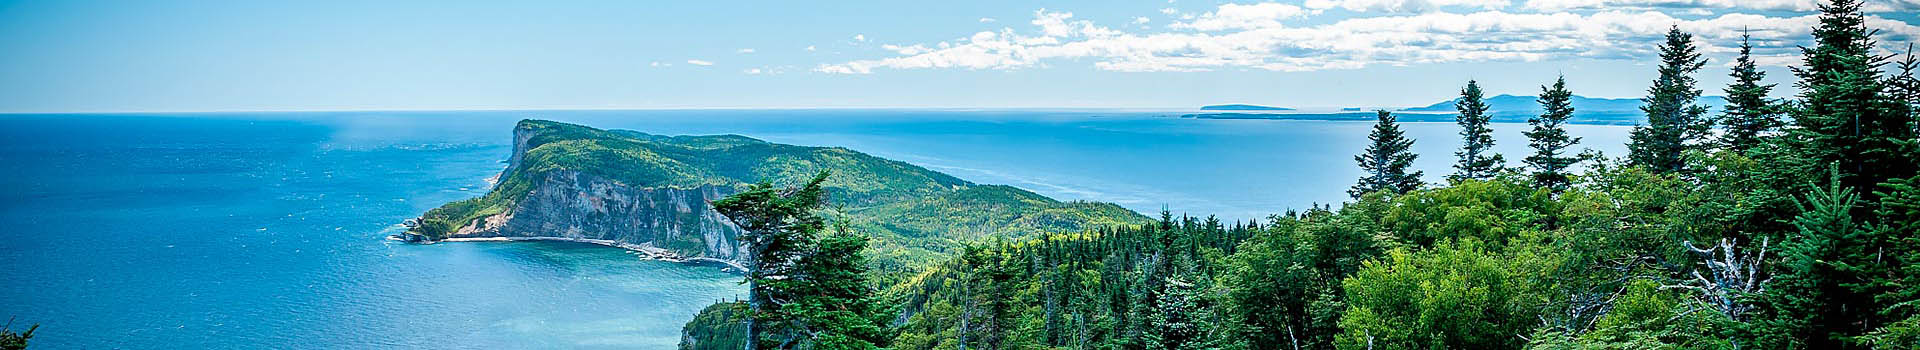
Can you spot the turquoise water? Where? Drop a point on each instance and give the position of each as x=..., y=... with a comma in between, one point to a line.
x=264, y=230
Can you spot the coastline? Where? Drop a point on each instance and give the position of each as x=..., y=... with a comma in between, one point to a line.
x=646, y=251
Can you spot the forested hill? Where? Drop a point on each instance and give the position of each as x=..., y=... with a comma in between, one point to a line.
x=573, y=181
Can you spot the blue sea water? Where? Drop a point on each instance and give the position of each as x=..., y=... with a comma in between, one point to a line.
x=264, y=230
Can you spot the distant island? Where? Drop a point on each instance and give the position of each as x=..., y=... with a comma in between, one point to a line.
x=1506, y=109
x=1243, y=107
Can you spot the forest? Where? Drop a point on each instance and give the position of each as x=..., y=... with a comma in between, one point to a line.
x=1769, y=224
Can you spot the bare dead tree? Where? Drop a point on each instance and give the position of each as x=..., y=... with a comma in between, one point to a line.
x=1727, y=277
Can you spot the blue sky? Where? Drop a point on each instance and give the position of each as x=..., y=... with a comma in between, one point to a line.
x=98, y=56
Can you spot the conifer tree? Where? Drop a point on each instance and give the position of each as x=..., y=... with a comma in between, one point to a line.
x=1550, y=161
x=840, y=306
x=1845, y=116
x=778, y=226
x=1811, y=304
x=1386, y=160
x=1477, y=160
x=1905, y=87
x=1673, y=120
x=1749, y=114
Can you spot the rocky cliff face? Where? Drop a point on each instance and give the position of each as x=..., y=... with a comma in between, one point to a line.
x=572, y=204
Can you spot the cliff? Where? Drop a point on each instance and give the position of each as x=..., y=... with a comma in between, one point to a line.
x=653, y=192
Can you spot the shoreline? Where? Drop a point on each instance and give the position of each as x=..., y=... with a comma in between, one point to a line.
x=647, y=252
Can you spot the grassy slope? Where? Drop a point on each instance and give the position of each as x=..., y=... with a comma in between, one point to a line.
x=915, y=215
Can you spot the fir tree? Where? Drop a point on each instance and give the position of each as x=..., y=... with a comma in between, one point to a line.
x=1845, y=117
x=1812, y=306
x=1673, y=120
x=778, y=226
x=1749, y=114
x=1904, y=86
x=1386, y=160
x=1549, y=139
x=840, y=307
x=1477, y=162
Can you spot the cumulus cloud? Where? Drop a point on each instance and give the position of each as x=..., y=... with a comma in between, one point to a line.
x=1764, y=5
x=699, y=63
x=1261, y=41
x=986, y=19
x=1403, y=6
x=1237, y=16
x=745, y=51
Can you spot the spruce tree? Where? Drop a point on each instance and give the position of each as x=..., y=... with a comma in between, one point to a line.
x=841, y=309
x=1673, y=120
x=1477, y=160
x=1386, y=160
x=1550, y=161
x=1810, y=303
x=1845, y=116
x=1904, y=86
x=1749, y=114
x=778, y=227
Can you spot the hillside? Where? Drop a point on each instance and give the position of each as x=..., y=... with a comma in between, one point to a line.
x=651, y=192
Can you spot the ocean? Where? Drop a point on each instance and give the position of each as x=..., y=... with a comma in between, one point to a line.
x=265, y=230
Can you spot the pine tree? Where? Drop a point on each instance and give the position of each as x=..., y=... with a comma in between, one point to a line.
x=778, y=226
x=1477, y=162
x=1749, y=113
x=1845, y=116
x=1386, y=160
x=1673, y=120
x=1549, y=139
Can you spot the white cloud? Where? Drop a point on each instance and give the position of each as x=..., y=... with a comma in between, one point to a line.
x=811, y=48
x=860, y=37
x=1403, y=6
x=1432, y=37
x=1237, y=16
x=986, y=19
x=745, y=51
x=659, y=64
x=1141, y=20
x=699, y=63
x=1763, y=5
x=753, y=71
x=1170, y=11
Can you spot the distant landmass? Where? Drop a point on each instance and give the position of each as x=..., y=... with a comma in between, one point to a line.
x=1505, y=109
x=1510, y=104
x=1243, y=107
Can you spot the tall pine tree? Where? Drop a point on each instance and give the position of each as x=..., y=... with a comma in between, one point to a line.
x=1386, y=160
x=1550, y=161
x=1673, y=120
x=1749, y=114
x=1845, y=116
x=1477, y=160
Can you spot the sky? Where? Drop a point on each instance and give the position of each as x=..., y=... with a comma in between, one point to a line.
x=215, y=55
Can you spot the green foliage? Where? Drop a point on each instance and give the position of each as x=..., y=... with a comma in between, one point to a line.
x=15, y=341
x=1749, y=114
x=1550, y=162
x=1387, y=160
x=807, y=291
x=1845, y=115
x=1454, y=296
x=721, y=326
x=1674, y=123
x=1476, y=162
